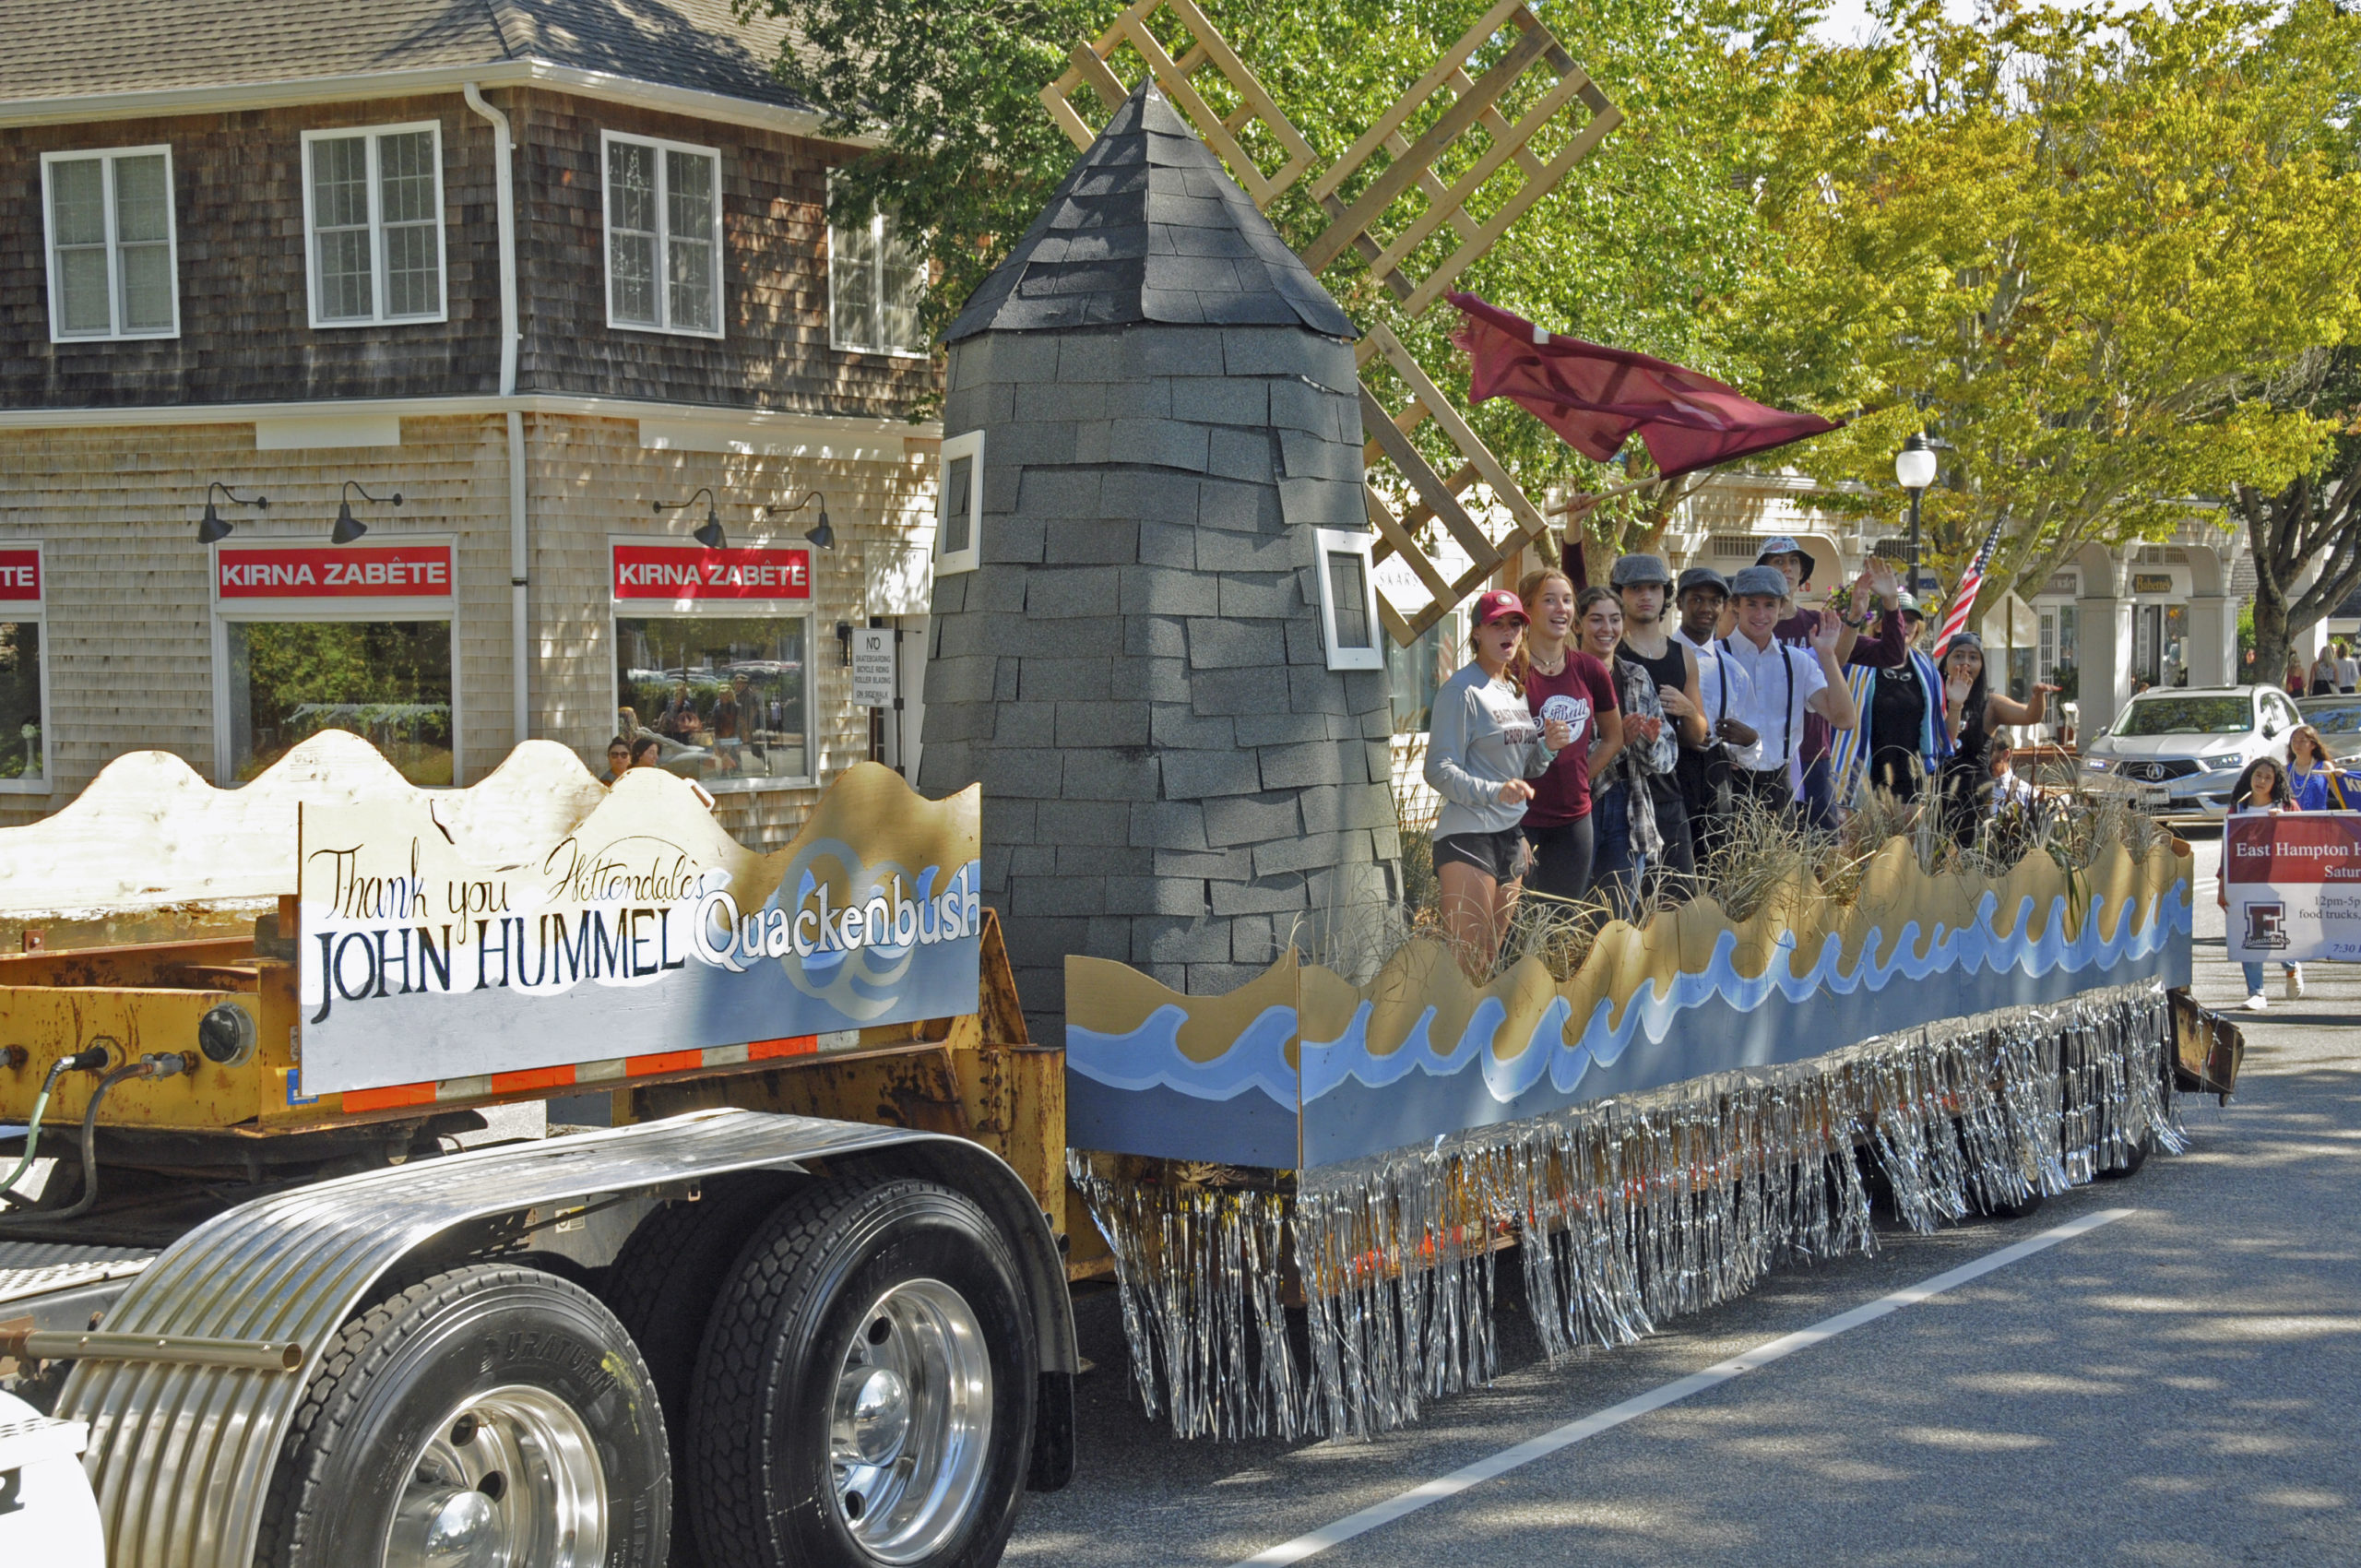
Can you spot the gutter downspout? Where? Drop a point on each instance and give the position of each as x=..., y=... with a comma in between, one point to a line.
x=504, y=195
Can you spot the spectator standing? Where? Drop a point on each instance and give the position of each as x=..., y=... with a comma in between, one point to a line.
x=618, y=760
x=2262, y=791
x=1561, y=682
x=1642, y=585
x=1484, y=749
x=2324, y=674
x=2348, y=670
x=647, y=752
x=1786, y=686
x=1723, y=694
x=2296, y=683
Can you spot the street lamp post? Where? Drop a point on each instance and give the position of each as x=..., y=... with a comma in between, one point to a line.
x=1914, y=467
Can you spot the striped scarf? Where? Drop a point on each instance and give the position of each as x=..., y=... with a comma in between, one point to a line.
x=1850, y=757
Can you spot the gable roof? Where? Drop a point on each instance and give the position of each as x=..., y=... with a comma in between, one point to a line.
x=1149, y=227
x=103, y=48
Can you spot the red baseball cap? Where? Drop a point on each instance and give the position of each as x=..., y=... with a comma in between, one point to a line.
x=1499, y=605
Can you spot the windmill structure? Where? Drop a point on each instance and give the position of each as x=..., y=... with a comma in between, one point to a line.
x=1388, y=203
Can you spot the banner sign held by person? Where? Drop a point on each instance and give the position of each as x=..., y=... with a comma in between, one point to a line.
x=2293, y=886
x=644, y=929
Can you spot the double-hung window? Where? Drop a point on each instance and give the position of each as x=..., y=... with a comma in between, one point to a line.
x=663, y=209
x=372, y=206
x=112, y=271
x=875, y=274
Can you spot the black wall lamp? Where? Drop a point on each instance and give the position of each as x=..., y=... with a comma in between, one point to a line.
x=348, y=527
x=821, y=536
x=212, y=530
x=708, y=533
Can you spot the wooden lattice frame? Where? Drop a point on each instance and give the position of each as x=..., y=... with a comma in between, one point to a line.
x=1207, y=51
x=1474, y=107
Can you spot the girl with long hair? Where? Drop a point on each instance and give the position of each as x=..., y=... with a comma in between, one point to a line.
x=1623, y=810
x=1484, y=748
x=1971, y=711
x=1565, y=682
x=2261, y=789
x=2312, y=774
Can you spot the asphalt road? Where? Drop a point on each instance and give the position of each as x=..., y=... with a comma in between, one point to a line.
x=2177, y=1386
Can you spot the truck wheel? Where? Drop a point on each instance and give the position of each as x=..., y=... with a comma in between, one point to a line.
x=487, y=1415
x=2131, y=1161
x=865, y=1390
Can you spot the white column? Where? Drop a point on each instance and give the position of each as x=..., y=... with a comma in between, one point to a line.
x=2214, y=641
x=2104, y=668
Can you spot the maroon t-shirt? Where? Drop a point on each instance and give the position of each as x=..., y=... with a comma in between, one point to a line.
x=1577, y=694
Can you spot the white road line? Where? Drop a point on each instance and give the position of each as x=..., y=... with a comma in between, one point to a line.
x=1548, y=1443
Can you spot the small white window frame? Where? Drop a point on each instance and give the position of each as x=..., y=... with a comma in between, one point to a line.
x=876, y=287
x=663, y=240
x=106, y=158
x=37, y=612
x=949, y=561
x=1336, y=542
x=377, y=316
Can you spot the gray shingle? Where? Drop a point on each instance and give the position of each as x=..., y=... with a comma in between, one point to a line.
x=1147, y=227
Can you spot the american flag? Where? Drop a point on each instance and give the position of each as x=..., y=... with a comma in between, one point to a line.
x=1971, y=581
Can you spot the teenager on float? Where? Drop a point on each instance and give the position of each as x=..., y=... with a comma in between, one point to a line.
x=1565, y=682
x=1484, y=749
x=1971, y=712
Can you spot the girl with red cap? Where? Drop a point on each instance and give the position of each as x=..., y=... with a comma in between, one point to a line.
x=1484, y=746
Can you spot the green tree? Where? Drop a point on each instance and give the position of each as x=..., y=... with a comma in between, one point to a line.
x=2314, y=523
x=2077, y=252
x=1635, y=247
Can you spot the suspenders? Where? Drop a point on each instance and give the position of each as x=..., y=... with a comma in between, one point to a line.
x=1787, y=709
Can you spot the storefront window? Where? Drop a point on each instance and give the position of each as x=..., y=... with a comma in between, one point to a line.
x=20, y=736
x=727, y=698
x=388, y=681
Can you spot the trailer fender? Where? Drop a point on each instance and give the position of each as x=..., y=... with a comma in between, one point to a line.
x=182, y=1455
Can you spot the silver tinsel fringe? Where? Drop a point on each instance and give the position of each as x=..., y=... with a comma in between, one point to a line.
x=1629, y=1211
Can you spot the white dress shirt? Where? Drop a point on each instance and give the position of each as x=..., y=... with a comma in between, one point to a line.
x=1779, y=735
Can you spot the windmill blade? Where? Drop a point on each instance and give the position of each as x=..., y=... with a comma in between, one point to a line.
x=1388, y=204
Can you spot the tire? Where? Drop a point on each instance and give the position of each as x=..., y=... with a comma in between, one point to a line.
x=851, y=1326
x=488, y=1382
x=2026, y=1207
x=2131, y=1163
x=662, y=1286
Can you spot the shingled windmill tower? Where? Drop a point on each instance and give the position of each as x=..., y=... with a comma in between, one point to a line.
x=1164, y=666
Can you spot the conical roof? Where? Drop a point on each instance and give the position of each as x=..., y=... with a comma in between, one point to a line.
x=1149, y=227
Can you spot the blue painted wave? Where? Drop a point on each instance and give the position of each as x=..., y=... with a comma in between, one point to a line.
x=1149, y=1055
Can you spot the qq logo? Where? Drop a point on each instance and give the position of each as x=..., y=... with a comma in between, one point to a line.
x=2267, y=926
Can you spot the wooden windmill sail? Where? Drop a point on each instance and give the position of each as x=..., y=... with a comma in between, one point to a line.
x=1387, y=202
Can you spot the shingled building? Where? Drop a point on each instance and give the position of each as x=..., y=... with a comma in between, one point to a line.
x=1163, y=662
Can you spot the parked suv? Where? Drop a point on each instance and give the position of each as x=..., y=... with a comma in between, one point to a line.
x=2180, y=751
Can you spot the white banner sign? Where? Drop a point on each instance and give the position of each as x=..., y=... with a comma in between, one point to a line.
x=2292, y=883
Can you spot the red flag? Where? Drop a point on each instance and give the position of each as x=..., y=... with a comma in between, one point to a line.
x=1597, y=398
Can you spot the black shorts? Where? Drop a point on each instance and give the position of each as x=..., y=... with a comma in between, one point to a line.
x=1500, y=856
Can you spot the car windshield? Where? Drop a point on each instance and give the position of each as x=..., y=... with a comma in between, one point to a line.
x=2186, y=716
x=2332, y=718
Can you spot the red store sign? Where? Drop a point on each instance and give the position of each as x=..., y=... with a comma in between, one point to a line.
x=20, y=576
x=390, y=571
x=670, y=573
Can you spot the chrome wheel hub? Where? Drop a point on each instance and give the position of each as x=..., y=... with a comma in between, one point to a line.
x=911, y=1425
x=509, y=1479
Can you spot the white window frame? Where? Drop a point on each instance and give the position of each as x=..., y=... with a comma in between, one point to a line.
x=444, y=609
x=1336, y=542
x=377, y=316
x=876, y=285
x=37, y=612
x=724, y=610
x=663, y=239
x=950, y=562
x=106, y=158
